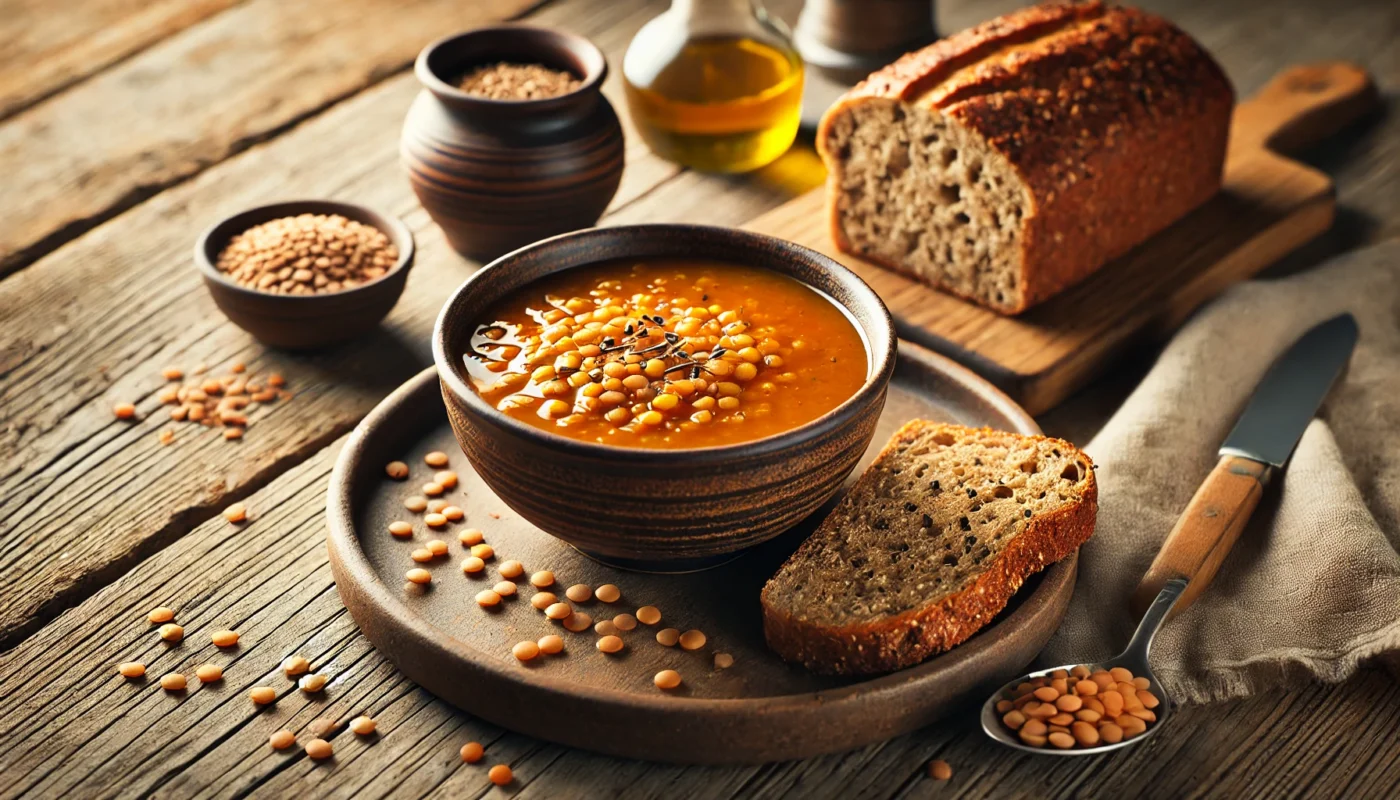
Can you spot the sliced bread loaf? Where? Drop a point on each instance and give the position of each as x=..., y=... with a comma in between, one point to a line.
x=928, y=547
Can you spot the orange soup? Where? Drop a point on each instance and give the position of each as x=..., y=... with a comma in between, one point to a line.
x=666, y=354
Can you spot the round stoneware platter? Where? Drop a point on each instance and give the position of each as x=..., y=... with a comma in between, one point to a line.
x=760, y=709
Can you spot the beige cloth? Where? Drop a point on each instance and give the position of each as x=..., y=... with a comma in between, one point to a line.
x=1312, y=589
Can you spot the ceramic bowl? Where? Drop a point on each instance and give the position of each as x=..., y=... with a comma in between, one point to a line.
x=304, y=322
x=662, y=510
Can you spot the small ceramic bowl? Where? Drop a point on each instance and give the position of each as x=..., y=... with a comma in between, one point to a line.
x=304, y=322
x=662, y=510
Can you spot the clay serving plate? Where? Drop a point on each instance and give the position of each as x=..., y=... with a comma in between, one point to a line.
x=662, y=510
x=760, y=709
x=304, y=322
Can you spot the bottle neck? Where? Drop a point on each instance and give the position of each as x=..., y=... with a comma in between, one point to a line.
x=712, y=10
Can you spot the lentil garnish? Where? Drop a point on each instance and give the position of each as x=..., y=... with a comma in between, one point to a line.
x=649, y=615
x=692, y=640
x=172, y=682
x=667, y=637
x=436, y=505
x=723, y=661
x=511, y=569
x=551, y=644
x=362, y=725
x=295, y=665
x=525, y=651
x=579, y=593
x=124, y=411
x=131, y=669
x=1080, y=707
x=319, y=749
x=605, y=628
x=224, y=638
x=282, y=739
x=608, y=593
x=472, y=537
x=472, y=565
x=504, y=589
x=483, y=551
x=262, y=695
x=939, y=770
x=236, y=512
x=472, y=752
x=666, y=354
x=432, y=489
x=453, y=513
x=610, y=644
x=396, y=470
x=437, y=547
x=437, y=458
x=416, y=504
x=419, y=576
x=488, y=598
x=312, y=683
x=578, y=622
x=160, y=614
x=543, y=600
x=447, y=479
x=434, y=520
x=558, y=611
x=625, y=622
x=667, y=679
x=171, y=632
x=307, y=254
x=401, y=529
x=542, y=579
x=422, y=555
x=208, y=673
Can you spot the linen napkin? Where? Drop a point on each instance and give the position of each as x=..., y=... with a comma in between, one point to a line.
x=1312, y=589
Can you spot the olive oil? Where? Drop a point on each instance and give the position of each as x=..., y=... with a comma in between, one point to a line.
x=718, y=103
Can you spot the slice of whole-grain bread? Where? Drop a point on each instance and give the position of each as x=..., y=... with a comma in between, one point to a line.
x=928, y=547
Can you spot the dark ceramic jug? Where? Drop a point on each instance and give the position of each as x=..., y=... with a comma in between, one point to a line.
x=497, y=175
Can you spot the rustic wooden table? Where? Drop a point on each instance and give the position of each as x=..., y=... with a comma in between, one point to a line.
x=126, y=127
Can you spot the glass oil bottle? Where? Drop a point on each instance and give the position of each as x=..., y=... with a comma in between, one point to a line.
x=715, y=85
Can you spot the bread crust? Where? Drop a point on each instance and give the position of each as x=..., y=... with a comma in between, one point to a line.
x=1115, y=120
x=908, y=638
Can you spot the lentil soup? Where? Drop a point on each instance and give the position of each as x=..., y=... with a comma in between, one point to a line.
x=666, y=354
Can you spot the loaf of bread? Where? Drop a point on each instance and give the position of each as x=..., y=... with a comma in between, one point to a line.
x=928, y=547
x=1012, y=160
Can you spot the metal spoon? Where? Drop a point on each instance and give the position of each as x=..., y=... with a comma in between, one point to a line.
x=1133, y=659
x=1263, y=439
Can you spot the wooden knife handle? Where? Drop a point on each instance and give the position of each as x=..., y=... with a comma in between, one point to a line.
x=1303, y=105
x=1213, y=520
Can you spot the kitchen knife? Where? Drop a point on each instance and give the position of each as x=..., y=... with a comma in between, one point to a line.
x=1279, y=411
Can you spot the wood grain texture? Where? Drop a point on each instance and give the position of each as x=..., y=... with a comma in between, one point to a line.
x=1267, y=206
x=51, y=45
x=192, y=100
x=74, y=728
x=94, y=323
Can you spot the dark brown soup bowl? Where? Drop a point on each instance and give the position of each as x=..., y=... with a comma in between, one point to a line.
x=304, y=321
x=662, y=510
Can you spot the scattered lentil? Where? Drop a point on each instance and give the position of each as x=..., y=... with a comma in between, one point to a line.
x=649, y=615
x=124, y=411
x=504, y=588
x=401, y=529
x=1079, y=708
x=551, y=644
x=723, y=661
x=608, y=593
x=437, y=547
x=692, y=640
x=472, y=565
x=446, y=478
x=939, y=770
x=579, y=593
x=610, y=644
x=416, y=504
x=472, y=752
x=508, y=81
x=281, y=740
x=396, y=470
x=667, y=679
x=295, y=665
x=363, y=726
x=472, y=536
x=307, y=254
x=262, y=695
x=578, y=622
x=605, y=628
x=236, y=512
x=488, y=598
x=422, y=555
x=312, y=683
x=483, y=551
x=419, y=576
x=131, y=669
x=542, y=579
x=543, y=600
x=558, y=611
x=453, y=513
x=432, y=489
x=208, y=673
x=160, y=614
x=625, y=622
x=318, y=749
x=525, y=651
x=171, y=632
x=224, y=638
x=434, y=520
x=667, y=637
x=437, y=458
x=172, y=682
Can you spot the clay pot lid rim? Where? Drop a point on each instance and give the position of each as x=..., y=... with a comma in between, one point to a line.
x=544, y=39
x=388, y=224
x=881, y=339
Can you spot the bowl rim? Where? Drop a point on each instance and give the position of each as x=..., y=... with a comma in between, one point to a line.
x=545, y=38
x=389, y=224
x=881, y=341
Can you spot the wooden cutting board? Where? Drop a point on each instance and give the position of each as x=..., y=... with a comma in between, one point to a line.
x=1268, y=206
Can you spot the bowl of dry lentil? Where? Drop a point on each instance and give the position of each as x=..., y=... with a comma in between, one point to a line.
x=305, y=274
x=663, y=397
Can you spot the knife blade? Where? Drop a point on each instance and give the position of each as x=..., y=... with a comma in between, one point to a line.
x=1290, y=393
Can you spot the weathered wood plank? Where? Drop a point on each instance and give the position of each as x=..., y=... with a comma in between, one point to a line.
x=51, y=45
x=213, y=89
x=75, y=728
x=94, y=323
